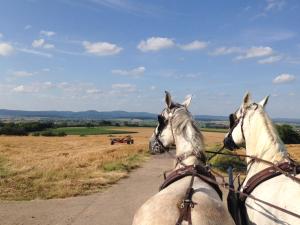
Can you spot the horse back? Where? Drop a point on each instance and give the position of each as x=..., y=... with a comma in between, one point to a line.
x=163, y=208
x=280, y=191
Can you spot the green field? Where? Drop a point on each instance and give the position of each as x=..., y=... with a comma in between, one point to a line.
x=90, y=130
x=219, y=130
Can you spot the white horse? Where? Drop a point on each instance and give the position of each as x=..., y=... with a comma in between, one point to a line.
x=176, y=126
x=254, y=130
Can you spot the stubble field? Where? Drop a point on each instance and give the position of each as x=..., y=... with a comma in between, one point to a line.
x=58, y=167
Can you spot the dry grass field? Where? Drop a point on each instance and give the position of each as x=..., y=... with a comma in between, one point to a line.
x=58, y=167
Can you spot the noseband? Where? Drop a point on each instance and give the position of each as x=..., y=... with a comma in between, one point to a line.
x=158, y=146
x=228, y=141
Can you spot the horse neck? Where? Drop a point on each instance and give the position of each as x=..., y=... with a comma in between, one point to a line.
x=263, y=141
x=188, y=141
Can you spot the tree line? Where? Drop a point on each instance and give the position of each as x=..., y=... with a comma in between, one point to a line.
x=37, y=128
x=23, y=129
x=286, y=132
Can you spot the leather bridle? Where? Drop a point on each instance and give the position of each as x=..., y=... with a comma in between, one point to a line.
x=228, y=141
x=158, y=146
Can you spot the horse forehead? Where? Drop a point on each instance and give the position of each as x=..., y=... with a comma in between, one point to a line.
x=164, y=113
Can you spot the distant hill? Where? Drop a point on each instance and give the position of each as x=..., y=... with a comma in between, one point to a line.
x=91, y=114
x=286, y=120
x=106, y=115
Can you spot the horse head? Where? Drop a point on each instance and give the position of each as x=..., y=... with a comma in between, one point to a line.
x=163, y=136
x=239, y=122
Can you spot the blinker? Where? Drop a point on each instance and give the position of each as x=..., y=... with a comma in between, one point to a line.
x=160, y=119
x=231, y=120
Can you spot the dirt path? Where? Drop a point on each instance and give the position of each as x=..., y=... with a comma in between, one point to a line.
x=115, y=206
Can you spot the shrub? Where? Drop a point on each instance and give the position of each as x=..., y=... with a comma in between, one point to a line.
x=36, y=134
x=61, y=134
x=287, y=134
x=222, y=162
x=11, y=130
x=49, y=133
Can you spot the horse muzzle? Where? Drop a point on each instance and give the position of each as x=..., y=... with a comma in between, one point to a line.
x=156, y=147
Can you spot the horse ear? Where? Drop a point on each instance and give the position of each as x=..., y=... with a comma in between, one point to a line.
x=187, y=101
x=247, y=99
x=168, y=99
x=264, y=101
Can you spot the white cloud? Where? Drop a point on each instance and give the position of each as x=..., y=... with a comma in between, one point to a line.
x=46, y=70
x=124, y=87
x=271, y=6
x=33, y=88
x=1, y=35
x=93, y=91
x=47, y=33
x=38, y=43
x=101, y=48
x=155, y=44
x=78, y=89
x=48, y=46
x=152, y=88
x=195, y=45
x=226, y=50
x=174, y=75
x=48, y=84
x=136, y=72
x=34, y=52
x=274, y=5
x=20, y=88
x=293, y=60
x=6, y=49
x=22, y=73
x=270, y=60
x=267, y=35
x=266, y=53
x=284, y=78
x=27, y=27
x=63, y=85
x=255, y=52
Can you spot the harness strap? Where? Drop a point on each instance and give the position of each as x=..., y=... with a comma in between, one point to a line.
x=226, y=185
x=191, y=170
x=186, y=205
x=267, y=174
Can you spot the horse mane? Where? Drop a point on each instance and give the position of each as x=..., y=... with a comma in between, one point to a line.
x=181, y=122
x=271, y=130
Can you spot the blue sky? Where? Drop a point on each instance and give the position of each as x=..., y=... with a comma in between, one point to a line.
x=122, y=55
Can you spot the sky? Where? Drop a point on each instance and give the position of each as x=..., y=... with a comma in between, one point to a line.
x=123, y=54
